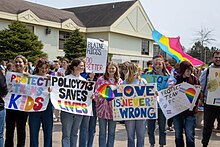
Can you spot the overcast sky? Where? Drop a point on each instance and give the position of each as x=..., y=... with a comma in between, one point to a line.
x=172, y=18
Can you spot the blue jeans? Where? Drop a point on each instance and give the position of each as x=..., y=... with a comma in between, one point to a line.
x=2, y=125
x=70, y=126
x=162, y=128
x=35, y=120
x=103, y=123
x=83, y=134
x=188, y=123
x=137, y=127
x=92, y=126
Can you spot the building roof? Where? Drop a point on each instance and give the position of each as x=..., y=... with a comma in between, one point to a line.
x=43, y=12
x=101, y=15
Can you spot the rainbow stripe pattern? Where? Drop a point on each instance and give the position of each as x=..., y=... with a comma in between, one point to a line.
x=173, y=47
x=190, y=93
x=106, y=92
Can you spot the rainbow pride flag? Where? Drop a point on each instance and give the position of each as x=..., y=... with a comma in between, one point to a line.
x=173, y=48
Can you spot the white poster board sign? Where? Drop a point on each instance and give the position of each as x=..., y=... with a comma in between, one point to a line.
x=190, y=92
x=72, y=95
x=96, y=55
x=213, y=96
x=170, y=104
x=135, y=102
x=26, y=93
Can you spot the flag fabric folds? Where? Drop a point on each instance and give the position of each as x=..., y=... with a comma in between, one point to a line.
x=173, y=48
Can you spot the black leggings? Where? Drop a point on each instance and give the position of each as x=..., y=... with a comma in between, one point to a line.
x=18, y=118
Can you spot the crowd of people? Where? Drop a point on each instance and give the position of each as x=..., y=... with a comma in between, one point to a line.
x=125, y=73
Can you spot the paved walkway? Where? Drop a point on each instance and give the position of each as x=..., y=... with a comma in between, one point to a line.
x=121, y=139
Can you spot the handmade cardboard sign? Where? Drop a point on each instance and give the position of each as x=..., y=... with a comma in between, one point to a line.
x=72, y=95
x=213, y=96
x=96, y=55
x=26, y=93
x=189, y=91
x=134, y=102
x=170, y=104
x=159, y=79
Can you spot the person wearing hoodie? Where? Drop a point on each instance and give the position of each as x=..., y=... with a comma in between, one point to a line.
x=210, y=112
x=187, y=119
x=159, y=68
x=3, y=92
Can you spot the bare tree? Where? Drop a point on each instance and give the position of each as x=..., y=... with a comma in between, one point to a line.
x=204, y=36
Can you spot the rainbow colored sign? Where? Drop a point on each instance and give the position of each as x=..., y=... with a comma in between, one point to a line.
x=106, y=92
x=134, y=102
x=26, y=93
x=72, y=95
x=190, y=92
x=173, y=47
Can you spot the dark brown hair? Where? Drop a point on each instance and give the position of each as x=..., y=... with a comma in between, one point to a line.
x=75, y=62
x=40, y=63
x=215, y=52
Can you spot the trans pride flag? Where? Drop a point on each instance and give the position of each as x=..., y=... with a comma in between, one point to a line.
x=173, y=47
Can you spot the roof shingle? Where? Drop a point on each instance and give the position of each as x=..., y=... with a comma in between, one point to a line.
x=101, y=15
x=43, y=12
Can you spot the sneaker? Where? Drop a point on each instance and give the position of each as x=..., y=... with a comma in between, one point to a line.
x=216, y=130
x=170, y=128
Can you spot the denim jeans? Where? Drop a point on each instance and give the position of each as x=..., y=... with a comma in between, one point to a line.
x=210, y=114
x=83, y=134
x=92, y=126
x=2, y=125
x=35, y=120
x=188, y=123
x=70, y=126
x=137, y=127
x=151, y=123
x=103, y=123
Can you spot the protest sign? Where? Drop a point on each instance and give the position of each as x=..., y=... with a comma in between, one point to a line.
x=96, y=55
x=213, y=96
x=26, y=93
x=190, y=92
x=72, y=95
x=134, y=102
x=159, y=79
x=170, y=104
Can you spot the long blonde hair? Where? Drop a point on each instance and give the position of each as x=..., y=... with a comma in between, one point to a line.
x=132, y=73
x=164, y=70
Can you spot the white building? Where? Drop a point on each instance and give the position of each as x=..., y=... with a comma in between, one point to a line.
x=124, y=24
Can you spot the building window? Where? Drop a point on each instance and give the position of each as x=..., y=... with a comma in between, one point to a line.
x=145, y=47
x=62, y=37
x=135, y=61
x=158, y=51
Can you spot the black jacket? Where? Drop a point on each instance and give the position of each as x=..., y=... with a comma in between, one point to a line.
x=3, y=90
